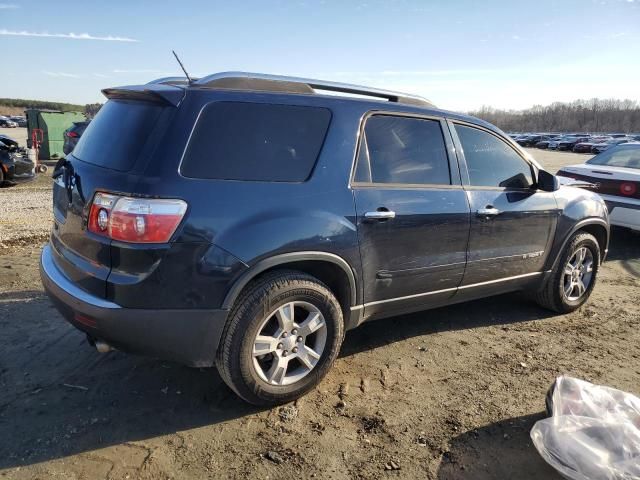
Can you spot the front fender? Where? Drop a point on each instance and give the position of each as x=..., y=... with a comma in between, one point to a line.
x=580, y=209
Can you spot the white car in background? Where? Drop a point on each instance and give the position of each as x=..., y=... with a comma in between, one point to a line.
x=615, y=175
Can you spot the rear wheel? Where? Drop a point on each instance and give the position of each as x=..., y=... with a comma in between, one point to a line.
x=282, y=336
x=574, y=276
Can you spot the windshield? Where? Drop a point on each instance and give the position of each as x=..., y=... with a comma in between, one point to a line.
x=628, y=157
x=115, y=137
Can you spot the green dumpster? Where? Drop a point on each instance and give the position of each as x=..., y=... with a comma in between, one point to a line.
x=53, y=124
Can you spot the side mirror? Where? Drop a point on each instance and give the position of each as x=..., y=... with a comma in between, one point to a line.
x=547, y=182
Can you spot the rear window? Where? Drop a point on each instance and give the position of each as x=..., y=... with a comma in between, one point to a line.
x=628, y=157
x=115, y=137
x=256, y=142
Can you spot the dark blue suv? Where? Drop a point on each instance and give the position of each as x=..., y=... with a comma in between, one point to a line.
x=248, y=221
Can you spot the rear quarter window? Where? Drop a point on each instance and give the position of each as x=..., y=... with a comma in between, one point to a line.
x=255, y=142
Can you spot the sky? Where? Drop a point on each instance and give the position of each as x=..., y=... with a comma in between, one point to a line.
x=460, y=54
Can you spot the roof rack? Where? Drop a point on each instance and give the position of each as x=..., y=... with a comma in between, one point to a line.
x=278, y=83
x=170, y=81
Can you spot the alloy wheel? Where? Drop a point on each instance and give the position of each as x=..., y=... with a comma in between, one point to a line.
x=578, y=273
x=289, y=343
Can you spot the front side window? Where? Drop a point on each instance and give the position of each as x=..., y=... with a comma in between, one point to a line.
x=491, y=162
x=402, y=150
x=256, y=142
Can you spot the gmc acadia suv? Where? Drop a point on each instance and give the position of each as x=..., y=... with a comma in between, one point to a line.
x=248, y=221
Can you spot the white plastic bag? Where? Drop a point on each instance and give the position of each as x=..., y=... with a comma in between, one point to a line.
x=593, y=433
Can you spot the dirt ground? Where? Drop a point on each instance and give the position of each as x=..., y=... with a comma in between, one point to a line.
x=445, y=394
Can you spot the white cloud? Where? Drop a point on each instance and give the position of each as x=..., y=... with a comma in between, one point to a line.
x=71, y=36
x=8, y=6
x=61, y=74
x=100, y=75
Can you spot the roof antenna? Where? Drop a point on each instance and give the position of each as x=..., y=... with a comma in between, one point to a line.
x=182, y=67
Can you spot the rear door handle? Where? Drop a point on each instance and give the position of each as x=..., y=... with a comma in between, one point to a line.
x=488, y=212
x=380, y=215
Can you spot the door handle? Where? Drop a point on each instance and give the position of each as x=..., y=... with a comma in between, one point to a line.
x=380, y=215
x=488, y=211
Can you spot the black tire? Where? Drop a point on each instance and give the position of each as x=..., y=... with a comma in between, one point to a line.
x=552, y=294
x=258, y=301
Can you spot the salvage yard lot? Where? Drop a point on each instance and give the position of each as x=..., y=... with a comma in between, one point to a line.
x=447, y=394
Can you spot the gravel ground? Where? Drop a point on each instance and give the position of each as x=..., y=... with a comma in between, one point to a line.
x=25, y=212
x=447, y=394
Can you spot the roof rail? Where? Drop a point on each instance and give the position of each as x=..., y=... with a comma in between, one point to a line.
x=280, y=83
x=169, y=81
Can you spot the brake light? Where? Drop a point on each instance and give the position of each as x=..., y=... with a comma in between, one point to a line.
x=72, y=134
x=137, y=220
x=628, y=188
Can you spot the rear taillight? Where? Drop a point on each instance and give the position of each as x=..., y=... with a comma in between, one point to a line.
x=72, y=134
x=628, y=188
x=137, y=220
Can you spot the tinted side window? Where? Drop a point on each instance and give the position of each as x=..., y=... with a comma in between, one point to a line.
x=491, y=162
x=256, y=142
x=402, y=150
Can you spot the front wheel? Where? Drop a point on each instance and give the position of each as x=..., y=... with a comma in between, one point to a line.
x=282, y=336
x=574, y=276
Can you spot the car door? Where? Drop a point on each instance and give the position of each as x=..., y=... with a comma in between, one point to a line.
x=412, y=213
x=512, y=222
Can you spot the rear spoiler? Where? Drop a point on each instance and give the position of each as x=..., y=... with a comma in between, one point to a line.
x=156, y=93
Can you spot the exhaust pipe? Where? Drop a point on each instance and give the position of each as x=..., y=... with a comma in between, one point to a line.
x=103, y=347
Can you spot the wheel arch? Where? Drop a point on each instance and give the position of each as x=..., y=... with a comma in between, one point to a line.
x=597, y=227
x=329, y=268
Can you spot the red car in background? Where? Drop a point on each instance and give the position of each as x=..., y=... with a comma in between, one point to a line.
x=585, y=147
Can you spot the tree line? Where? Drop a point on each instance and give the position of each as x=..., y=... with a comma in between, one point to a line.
x=89, y=109
x=588, y=116
x=22, y=103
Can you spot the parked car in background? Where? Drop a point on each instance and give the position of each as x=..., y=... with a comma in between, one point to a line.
x=601, y=147
x=251, y=220
x=532, y=140
x=72, y=135
x=14, y=164
x=567, y=143
x=553, y=143
x=585, y=147
x=7, y=123
x=20, y=120
x=616, y=176
x=544, y=144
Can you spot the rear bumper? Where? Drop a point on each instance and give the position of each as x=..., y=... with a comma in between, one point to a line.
x=623, y=212
x=188, y=336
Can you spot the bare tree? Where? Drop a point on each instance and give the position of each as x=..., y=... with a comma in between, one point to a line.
x=593, y=116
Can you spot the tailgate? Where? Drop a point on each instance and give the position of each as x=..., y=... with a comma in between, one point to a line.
x=108, y=157
x=84, y=257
